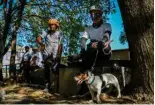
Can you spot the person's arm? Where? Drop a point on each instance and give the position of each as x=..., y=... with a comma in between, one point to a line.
x=60, y=43
x=22, y=58
x=84, y=38
x=39, y=40
x=83, y=43
x=107, y=34
x=40, y=59
x=29, y=57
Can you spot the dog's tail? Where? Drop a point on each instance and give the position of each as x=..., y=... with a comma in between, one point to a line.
x=106, y=98
x=109, y=99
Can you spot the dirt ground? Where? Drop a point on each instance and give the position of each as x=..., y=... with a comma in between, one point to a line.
x=25, y=94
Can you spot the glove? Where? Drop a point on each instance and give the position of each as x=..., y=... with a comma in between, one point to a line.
x=107, y=50
x=100, y=45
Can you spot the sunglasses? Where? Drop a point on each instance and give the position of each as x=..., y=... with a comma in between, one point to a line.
x=96, y=12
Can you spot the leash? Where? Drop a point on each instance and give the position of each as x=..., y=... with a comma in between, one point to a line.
x=89, y=93
x=92, y=68
x=106, y=53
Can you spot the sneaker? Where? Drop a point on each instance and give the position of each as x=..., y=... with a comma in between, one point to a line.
x=57, y=94
x=77, y=96
x=46, y=90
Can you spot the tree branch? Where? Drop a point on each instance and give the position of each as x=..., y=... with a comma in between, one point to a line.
x=6, y=48
x=7, y=22
x=33, y=15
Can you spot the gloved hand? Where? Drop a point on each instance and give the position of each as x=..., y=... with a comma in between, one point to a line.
x=100, y=45
x=94, y=45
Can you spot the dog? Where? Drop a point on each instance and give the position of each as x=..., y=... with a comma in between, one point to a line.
x=95, y=82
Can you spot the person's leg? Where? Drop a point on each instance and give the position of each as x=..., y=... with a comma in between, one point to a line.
x=55, y=68
x=102, y=61
x=86, y=64
x=47, y=76
x=28, y=74
x=89, y=59
x=25, y=72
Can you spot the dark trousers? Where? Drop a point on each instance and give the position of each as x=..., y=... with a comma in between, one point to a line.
x=26, y=71
x=49, y=70
x=47, y=75
x=89, y=59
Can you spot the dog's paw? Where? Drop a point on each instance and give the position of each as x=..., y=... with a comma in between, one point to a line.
x=119, y=96
x=99, y=102
x=90, y=101
x=94, y=101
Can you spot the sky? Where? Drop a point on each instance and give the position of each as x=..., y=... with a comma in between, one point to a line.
x=117, y=27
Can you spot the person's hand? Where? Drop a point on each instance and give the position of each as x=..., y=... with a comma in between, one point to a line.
x=39, y=39
x=31, y=63
x=59, y=48
x=94, y=45
x=107, y=43
x=42, y=47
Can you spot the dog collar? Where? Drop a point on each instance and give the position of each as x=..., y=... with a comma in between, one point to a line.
x=91, y=81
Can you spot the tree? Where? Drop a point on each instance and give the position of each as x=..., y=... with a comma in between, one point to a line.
x=72, y=14
x=122, y=37
x=14, y=38
x=138, y=22
x=5, y=28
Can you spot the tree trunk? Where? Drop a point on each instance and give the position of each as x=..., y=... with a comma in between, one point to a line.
x=138, y=21
x=8, y=18
x=13, y=44
x=1, y=57
x=12, y=70
x=4, y=33
x=1, y=72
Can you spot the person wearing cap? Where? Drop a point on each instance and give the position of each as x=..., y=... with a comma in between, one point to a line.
x=99, y=34
x=26, y=64
x=51, y=48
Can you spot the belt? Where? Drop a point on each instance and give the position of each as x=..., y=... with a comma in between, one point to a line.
x=91, y=41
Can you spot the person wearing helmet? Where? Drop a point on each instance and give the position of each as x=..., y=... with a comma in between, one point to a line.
x=99, y=34
x=51, y=48
x=98, y=50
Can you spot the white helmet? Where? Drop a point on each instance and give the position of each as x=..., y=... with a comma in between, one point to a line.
x=95, y=8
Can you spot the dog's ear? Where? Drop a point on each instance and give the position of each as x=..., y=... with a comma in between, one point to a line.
x=89, y=73
x=78, y=73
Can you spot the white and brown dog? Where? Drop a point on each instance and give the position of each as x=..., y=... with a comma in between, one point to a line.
x=95, y=83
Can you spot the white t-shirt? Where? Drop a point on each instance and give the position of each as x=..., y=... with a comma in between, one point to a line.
x=26, y=56
x=51, y=42
x=97, y=33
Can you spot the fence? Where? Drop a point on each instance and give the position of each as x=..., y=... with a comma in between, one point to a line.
x=6, y=68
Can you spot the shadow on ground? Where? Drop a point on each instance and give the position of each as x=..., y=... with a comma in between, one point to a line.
x=24, y=94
